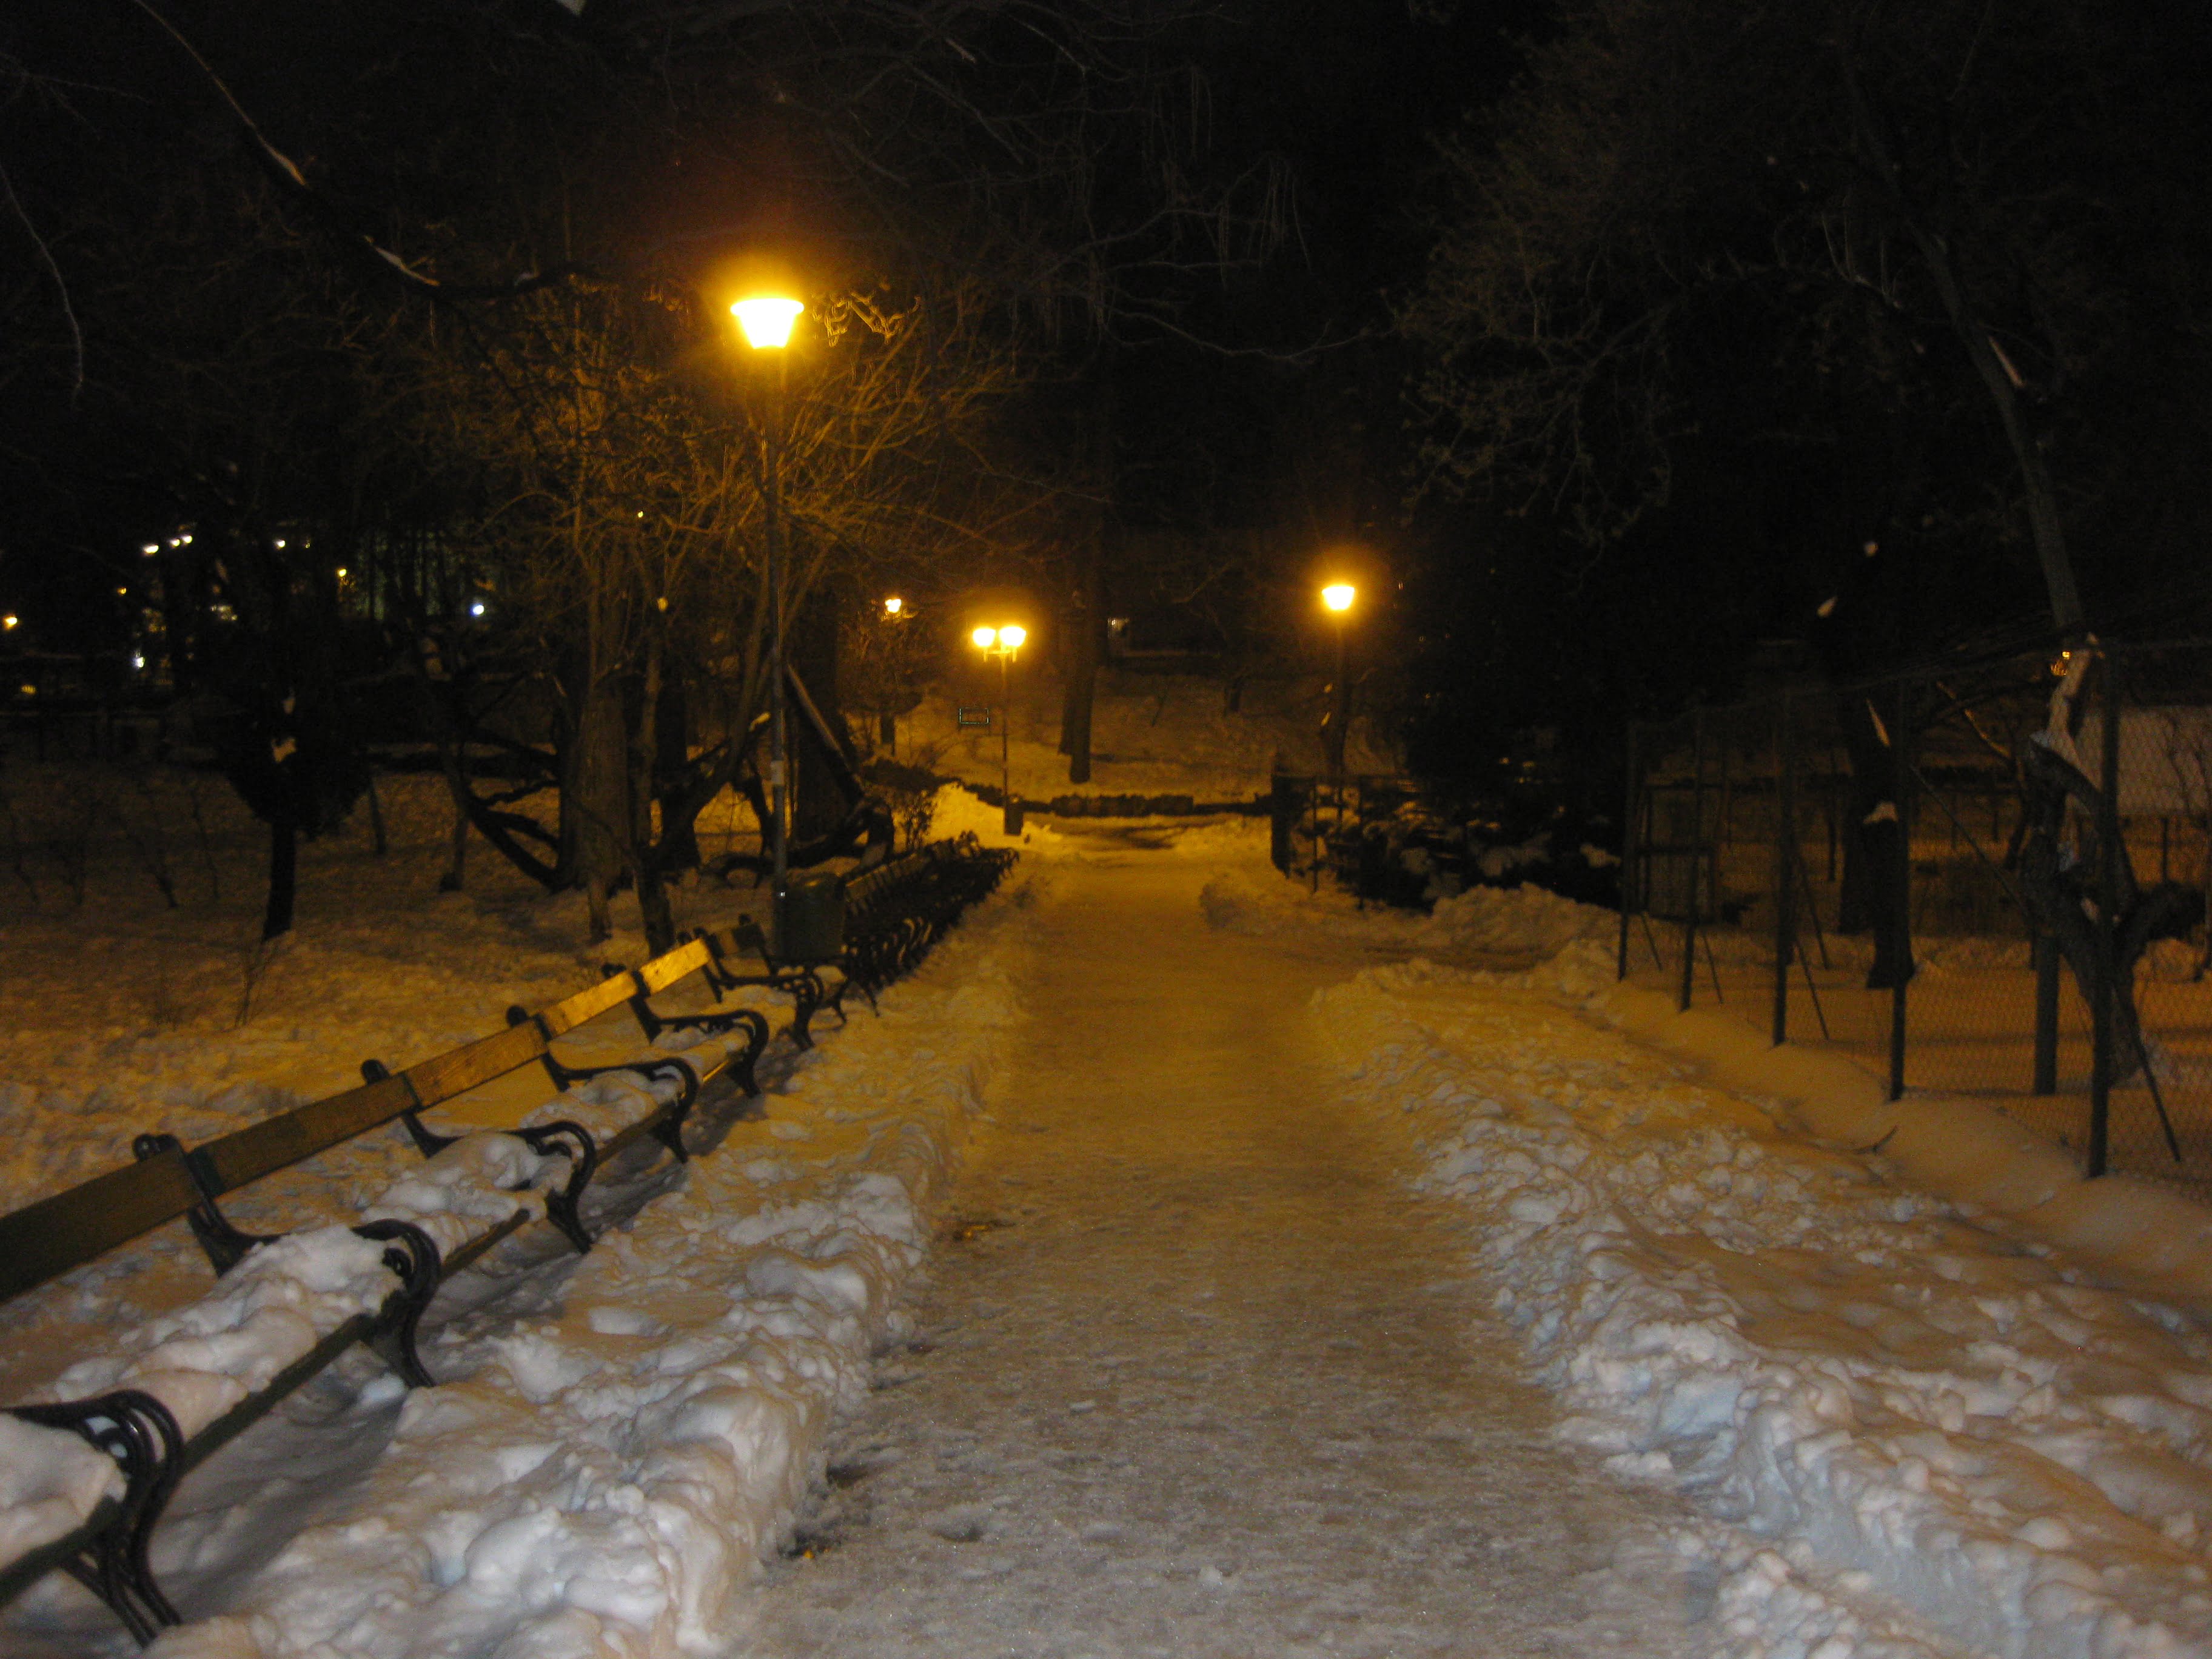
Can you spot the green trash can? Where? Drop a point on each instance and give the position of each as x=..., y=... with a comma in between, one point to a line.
x=810, y=918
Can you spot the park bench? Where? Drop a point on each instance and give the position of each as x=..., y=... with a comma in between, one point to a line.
x=84, y=1481
x=893, y=915
x=100, y=1532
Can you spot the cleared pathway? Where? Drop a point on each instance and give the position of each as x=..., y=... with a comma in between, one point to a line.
x=1196, y=1375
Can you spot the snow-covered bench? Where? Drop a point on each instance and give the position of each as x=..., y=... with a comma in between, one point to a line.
x=85, y=1475
x=88, y=1471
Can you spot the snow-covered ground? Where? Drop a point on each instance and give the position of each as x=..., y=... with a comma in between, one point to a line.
x=1183, y=1262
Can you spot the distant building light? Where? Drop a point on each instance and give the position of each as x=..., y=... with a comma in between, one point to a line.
x=122, y=592
x=150, y=548
x=280, y=544
x=138, y=660
x=342, y=573
x=476, y=610
x=184, y=540
x=8, y=621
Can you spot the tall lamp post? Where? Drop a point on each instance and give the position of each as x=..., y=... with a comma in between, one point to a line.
x=1336, y=598
x=766, y=320
x=1002, y=643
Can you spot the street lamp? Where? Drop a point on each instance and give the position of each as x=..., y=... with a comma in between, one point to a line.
x=766, y=320
x=1336, y=598
x=894, y=606
x=1004, y=641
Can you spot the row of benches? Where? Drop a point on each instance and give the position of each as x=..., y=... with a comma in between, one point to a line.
x=84, y=1480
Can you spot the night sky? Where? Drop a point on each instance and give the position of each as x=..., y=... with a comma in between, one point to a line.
x=1295, y=261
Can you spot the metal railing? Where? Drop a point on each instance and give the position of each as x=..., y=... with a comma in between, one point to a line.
x=1989, y=882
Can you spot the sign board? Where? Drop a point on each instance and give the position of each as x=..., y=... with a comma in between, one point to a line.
x=976, y=717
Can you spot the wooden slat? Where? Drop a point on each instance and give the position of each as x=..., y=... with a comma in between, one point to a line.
x=58, y=1233
x=664, y=971
x=442, y=1077
x=587, y=1005
x=247, y=1155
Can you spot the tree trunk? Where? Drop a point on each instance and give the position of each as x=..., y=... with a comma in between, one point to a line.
x=654, y=913
x=283, y=875
x=671, y=749
x=601, y=792
x=1087, y=625
x=819, y=803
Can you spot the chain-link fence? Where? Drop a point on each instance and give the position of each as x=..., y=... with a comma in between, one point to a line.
x=1987, y=883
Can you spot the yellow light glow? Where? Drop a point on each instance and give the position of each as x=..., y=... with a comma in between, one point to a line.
x=1338, y=596
x=985, y=638
x=894, y=605
x=1011, y=636
x=766, y=319
x=10, y=622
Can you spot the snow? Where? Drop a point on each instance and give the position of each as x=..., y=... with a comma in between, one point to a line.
x=50, y=1483
x=1183, y=1261
x=601, y=1474
x=1880, y=1405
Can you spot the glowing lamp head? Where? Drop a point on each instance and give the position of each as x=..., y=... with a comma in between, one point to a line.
x=1338, y=597
x=766, y=319
x=9, y=622
x=1011, y=636
x=985, y=638
x=894, y=606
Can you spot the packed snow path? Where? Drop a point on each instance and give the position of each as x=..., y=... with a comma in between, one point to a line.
x=1197, y=1374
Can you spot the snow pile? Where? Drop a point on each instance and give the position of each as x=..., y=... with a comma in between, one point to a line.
x=600, y=1477
x=468, y=1188
x=1909, y=1434
x=1524, y=920
x=50, y=1483
x=202, y=1360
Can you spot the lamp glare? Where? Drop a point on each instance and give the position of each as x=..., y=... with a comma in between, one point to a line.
x=1338, y=596
x=766, y=319
x=1011, y=636
x=985, y=638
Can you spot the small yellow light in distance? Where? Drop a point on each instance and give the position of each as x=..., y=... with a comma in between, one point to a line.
x=10, y=621
x=1011, y=636
x=894, y=605
x=985, y=638
x=342, y=573
x=766, y=319
x=1338, y=596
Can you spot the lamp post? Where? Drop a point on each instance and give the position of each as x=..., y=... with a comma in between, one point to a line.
x=1002, y=643
x=766, y=320
x=1336, y=598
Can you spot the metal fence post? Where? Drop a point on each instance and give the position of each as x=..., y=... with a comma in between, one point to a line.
x=1631, y=805
x=2109, y=853
x=1785, y=866
x=1696, y=848
x=1900, y=748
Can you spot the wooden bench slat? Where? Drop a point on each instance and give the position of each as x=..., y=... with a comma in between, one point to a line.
x=664, y=971
x=587, y=1005
x=58, y=1233
x=245, y=1155
x=444, y=1076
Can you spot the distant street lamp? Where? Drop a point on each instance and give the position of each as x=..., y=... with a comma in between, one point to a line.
x=1004, y=641
x=1336, y=598
x=766, y=320
x=894, y=606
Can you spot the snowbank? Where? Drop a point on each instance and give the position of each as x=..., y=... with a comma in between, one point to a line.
x=2145, y=1237
x=1963, y=1445
x=603, y=1475
x=1522, y=922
